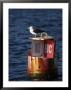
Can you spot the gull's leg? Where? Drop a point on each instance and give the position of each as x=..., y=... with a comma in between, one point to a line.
x=35, y=35
x=41, y=34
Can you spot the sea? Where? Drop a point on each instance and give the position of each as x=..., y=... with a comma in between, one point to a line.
x=48, y=20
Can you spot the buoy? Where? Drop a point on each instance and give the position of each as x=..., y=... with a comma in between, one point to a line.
x=41, y=52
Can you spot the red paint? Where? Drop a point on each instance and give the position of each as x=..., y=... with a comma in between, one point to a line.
x=49, y=46
x=50, y=49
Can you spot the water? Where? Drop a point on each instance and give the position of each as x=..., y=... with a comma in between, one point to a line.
x=49, y=20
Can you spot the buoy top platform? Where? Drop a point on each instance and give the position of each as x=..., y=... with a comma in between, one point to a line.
x=41, y=38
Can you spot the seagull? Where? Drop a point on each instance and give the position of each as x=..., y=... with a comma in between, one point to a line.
x=35, y=31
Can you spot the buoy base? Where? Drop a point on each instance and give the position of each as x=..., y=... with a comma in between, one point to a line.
x=38, y=76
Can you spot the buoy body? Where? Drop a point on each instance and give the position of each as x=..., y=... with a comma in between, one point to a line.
x=41, y=52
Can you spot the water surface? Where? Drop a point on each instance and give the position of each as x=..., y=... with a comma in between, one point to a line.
x=49, y=20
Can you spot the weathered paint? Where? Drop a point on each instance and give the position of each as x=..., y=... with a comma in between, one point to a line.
x=37, y=65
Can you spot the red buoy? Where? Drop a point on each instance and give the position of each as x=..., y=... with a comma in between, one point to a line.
x=38, y=57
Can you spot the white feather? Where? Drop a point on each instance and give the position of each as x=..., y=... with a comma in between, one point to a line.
x=32, y=30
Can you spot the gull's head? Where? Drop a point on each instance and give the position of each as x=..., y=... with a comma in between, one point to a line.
x=31, y=28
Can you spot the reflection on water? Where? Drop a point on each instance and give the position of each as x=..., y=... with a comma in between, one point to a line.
x=19, y=42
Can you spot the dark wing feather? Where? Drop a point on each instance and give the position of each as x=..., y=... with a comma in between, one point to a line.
x=38, y=31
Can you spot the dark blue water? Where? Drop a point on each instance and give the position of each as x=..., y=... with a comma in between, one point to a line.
x=49, y=20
